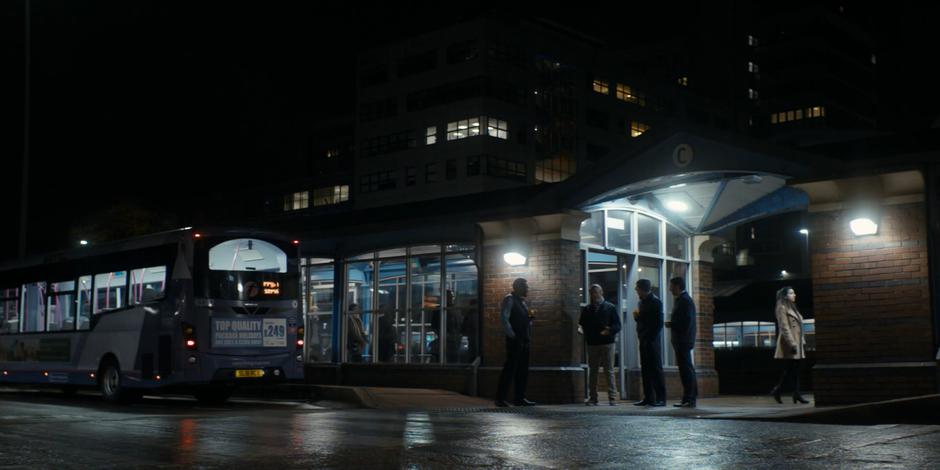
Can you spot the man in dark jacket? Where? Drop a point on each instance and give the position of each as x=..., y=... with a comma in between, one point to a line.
x=514, y=314
x=649, y=325
x=683, y=340
x=600, y=324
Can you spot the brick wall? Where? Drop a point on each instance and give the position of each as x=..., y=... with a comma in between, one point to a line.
x=553, y=270
x=704, y=353
x=872, y=305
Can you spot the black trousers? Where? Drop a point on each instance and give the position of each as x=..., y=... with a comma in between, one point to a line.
x=791, y=376
x=515, y=370
x=651, y=363
x=686, y=371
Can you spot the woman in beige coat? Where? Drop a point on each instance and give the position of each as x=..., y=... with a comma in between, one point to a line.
x=790, y=343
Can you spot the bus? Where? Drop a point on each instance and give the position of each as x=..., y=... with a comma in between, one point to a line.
x=185, y=310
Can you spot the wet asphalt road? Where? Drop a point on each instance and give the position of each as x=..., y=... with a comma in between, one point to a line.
x=47, y=430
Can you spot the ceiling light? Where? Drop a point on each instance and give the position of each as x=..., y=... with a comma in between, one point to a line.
x=680, y=185
x=677, y=206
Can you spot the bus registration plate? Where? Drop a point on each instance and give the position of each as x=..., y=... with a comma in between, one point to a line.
x=248, y=373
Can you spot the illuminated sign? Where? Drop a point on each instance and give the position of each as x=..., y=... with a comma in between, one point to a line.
x=271, y=287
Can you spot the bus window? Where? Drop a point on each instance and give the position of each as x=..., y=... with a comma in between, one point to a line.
x=9, y=310
x=34, y=317
x=109, y=291
x=245, y=254
x=248, y=269
x=84, y=302
x=147, y=284
x=60, y=306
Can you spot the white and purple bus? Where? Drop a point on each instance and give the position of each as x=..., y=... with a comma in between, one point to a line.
x=197, y=311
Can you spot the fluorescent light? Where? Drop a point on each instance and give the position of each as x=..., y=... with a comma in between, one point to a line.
x=677, y=206
x=514, y=259
x=615, y=223
x=863, y=226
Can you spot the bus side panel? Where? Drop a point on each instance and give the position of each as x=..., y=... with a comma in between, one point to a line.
x=117, y=333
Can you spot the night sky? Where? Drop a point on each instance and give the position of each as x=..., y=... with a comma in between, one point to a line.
x=162, y=102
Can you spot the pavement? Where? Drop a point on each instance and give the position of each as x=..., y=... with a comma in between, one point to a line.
x=46, y=429
x=914, y=410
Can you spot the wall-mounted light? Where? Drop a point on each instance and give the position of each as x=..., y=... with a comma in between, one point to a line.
x=804, y=231
x=784, y=273
x=514, y=258
x=863, y=226
x=83, y=242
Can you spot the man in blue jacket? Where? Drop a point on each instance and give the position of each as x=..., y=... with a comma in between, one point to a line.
x=683, y=340
x=649, y=328
x=600, y=324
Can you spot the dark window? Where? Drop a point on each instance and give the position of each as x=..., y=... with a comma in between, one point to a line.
x=411, y=176
x=371, y=111
x=430, y=173
x=596, y=118
x=462, y=52
x=463, y=90
x=417, y=63
x=379, y=181
x=473, y=166
x=502, y=168
x=505, y=53
x=596, y=152
x=451, y=169
x=388, y=143
x=374, y=75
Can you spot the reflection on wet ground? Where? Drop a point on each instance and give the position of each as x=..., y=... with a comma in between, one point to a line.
x=51, y=431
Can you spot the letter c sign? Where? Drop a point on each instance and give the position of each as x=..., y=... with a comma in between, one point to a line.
x=682, y=156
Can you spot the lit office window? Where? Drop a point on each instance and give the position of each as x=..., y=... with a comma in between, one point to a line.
x=625, y=93
x=463, y=128
x=296, y=201
x=330, y=195
x=554, y=170
x=430, y=136
x=773, y=118
x=332, y=153
x=497, y=128
x=637, y=128
x=684, y=81
x=752, y=41
x=752, y=94
x=799, y=114
x=602, y=86
x=752, y=67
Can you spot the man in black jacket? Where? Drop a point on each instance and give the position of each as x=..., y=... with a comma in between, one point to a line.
x=649, y=325
x=683, y=340
x=514, y=315
x=600, y=324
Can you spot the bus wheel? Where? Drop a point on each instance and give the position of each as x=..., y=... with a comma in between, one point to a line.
x=110, y=382
x=213, y=394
